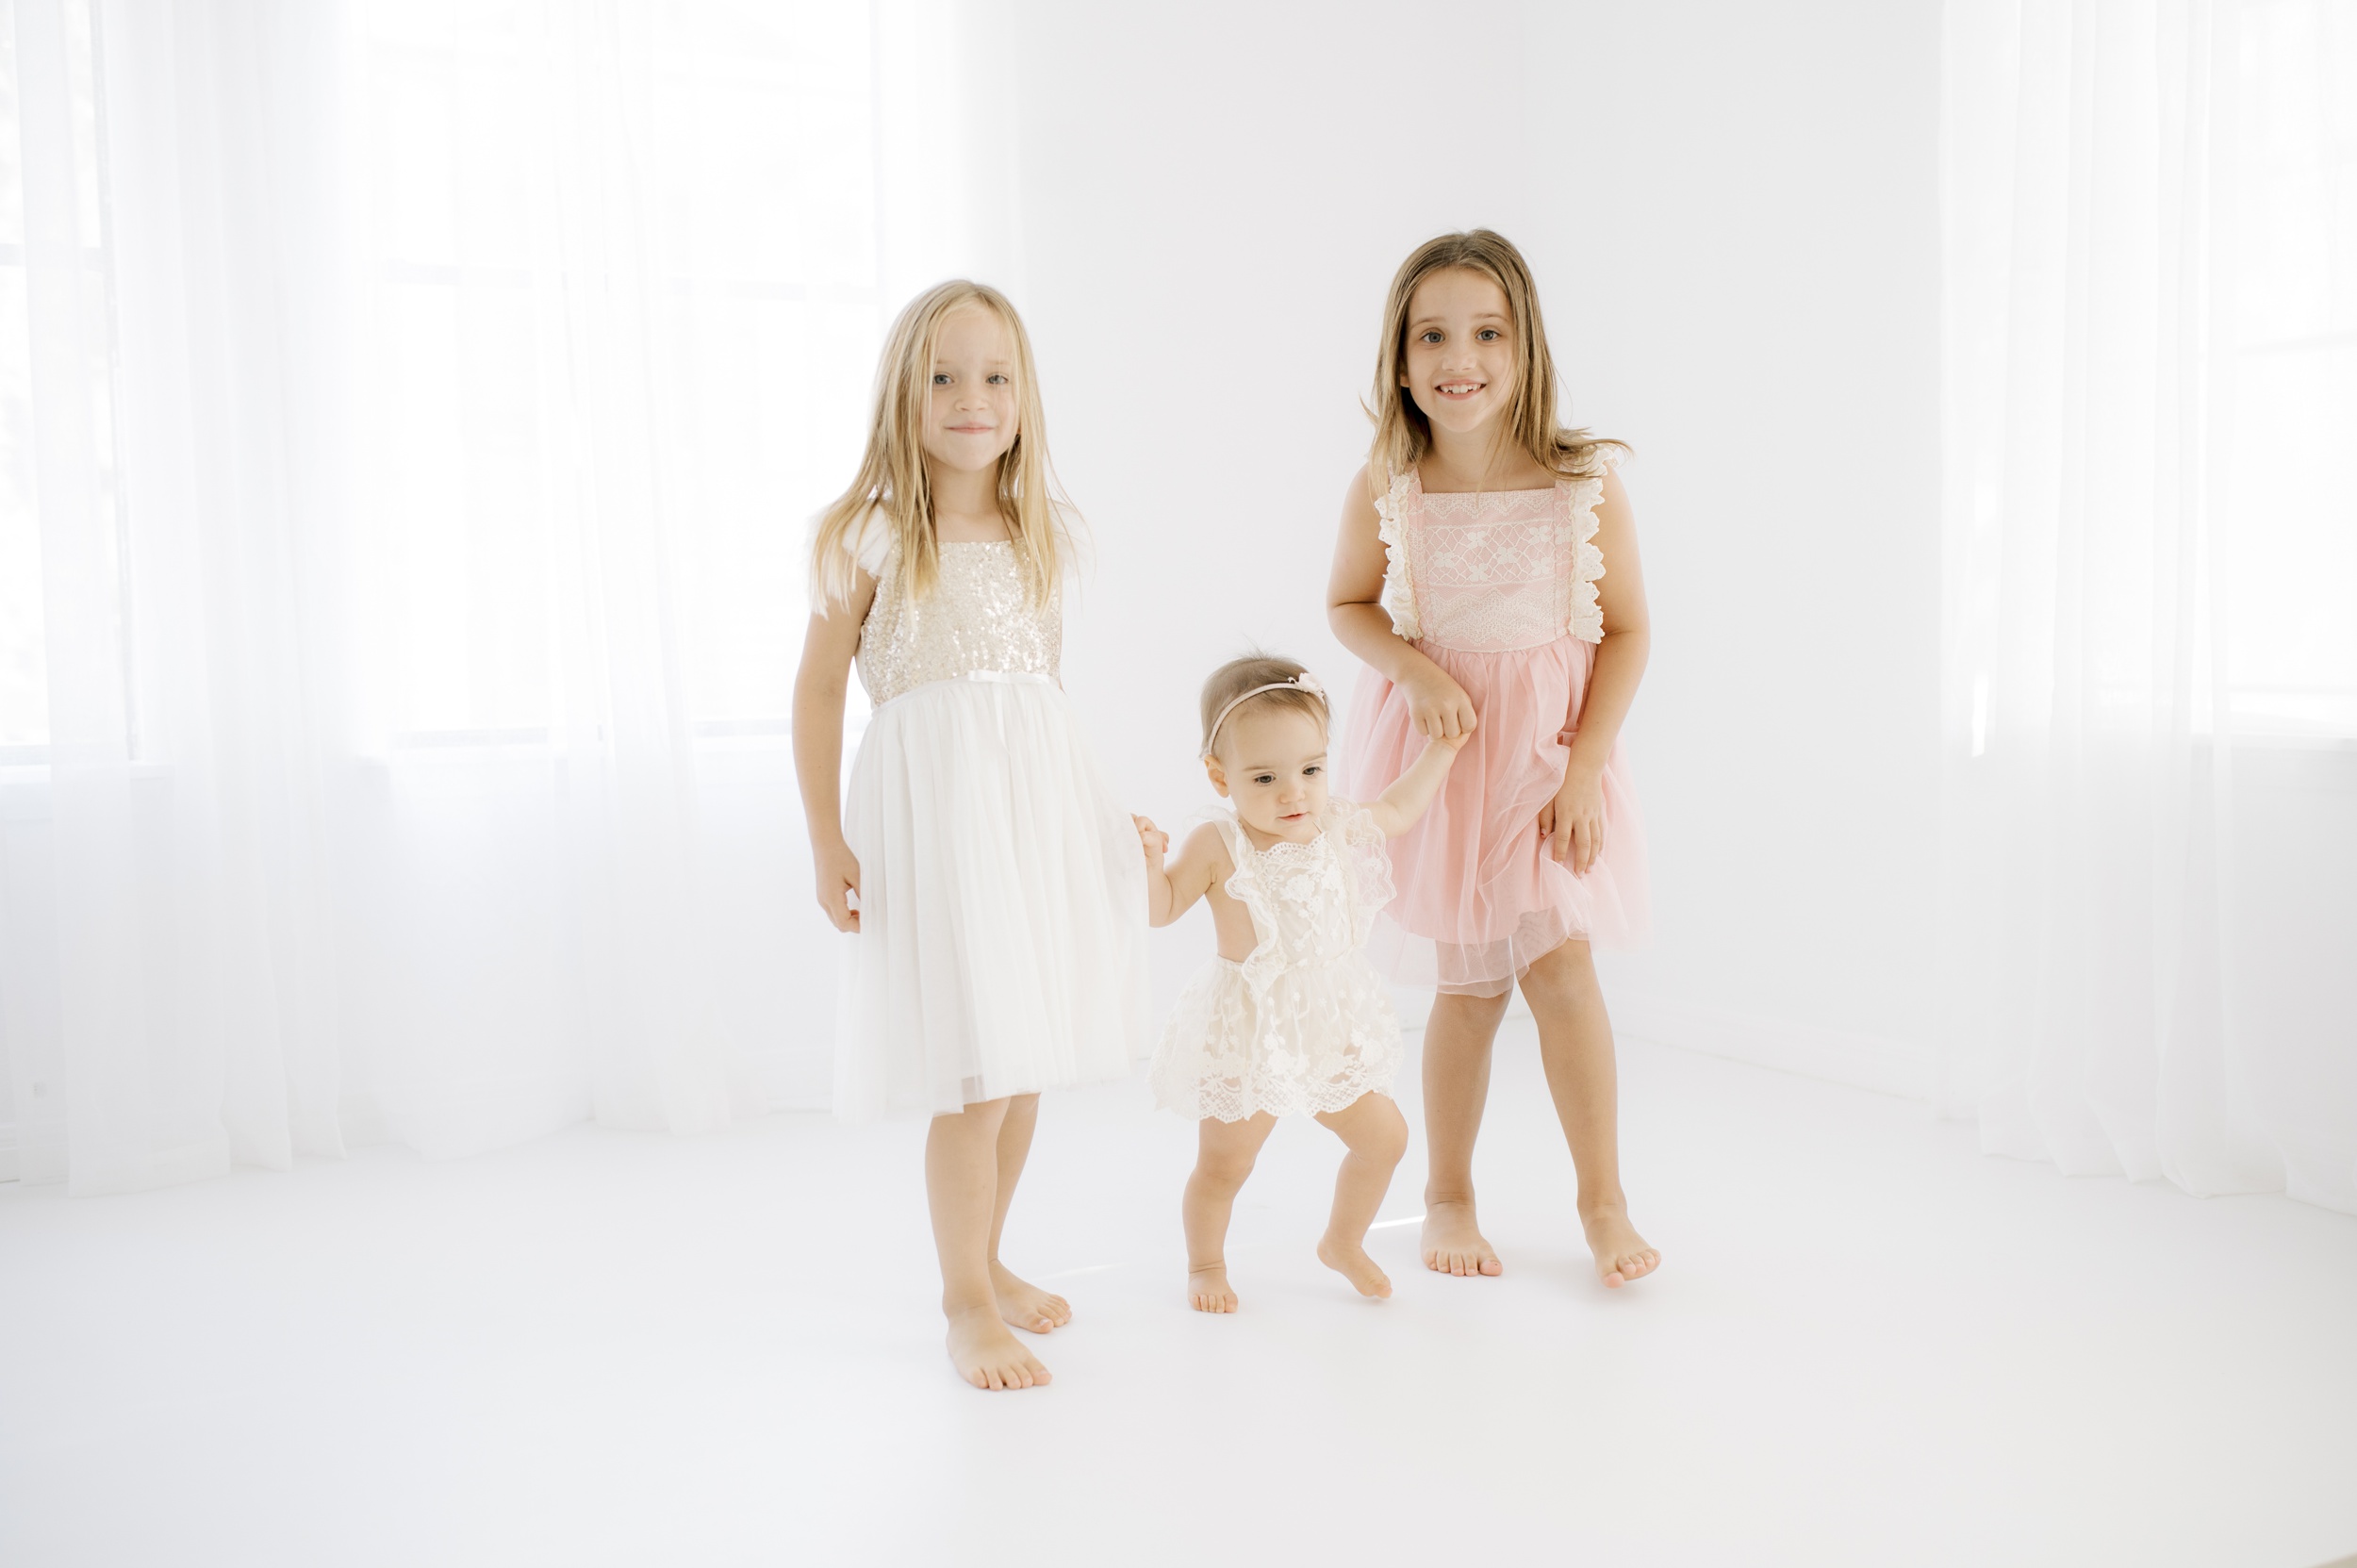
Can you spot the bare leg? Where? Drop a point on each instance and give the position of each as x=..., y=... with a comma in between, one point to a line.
x=1576, y=1047
x=1225, y=1153
x=1457, y=1042
x=1020, y=1302
x=962, y=1188
x=1376, y=1135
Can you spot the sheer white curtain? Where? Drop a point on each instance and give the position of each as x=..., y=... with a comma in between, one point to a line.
x=2150, y=218
x=424, y=404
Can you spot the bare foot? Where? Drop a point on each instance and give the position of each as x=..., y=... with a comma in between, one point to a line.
x=1025, y=1305
x=1207, y=1290
x=1454, y=1244
x=1350, y=1260
x=1622, y=1254
x=986, y=1355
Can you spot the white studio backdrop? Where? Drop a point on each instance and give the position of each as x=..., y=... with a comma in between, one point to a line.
x=434, y=732
x=2150, y=721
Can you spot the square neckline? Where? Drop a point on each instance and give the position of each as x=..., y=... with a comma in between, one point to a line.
x=1415, y=472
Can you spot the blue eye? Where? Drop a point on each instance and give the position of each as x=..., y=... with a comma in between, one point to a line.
x=941, y=378
x=1264, y=779
x=1432, y=336
x=997, y=381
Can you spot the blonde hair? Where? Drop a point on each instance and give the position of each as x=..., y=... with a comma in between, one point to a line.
x=892, y=480
x=1237, y=676
x=1403, y=434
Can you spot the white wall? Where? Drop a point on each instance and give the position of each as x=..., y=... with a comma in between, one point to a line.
x=1732, y=213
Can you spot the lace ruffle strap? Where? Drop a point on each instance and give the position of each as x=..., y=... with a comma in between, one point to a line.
x=1391, y=526
x=1266, y=961
x=1587, y=560
x=1366, y=858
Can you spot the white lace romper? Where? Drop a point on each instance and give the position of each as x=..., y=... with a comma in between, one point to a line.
x=1303, y=1024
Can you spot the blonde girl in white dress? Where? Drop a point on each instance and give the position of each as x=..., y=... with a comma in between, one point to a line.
x=1289, y=1019
x=990, y=881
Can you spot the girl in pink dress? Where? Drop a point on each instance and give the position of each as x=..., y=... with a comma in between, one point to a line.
x=1487, y=574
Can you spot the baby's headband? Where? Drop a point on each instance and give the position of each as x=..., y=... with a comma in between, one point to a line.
x=1303, y=682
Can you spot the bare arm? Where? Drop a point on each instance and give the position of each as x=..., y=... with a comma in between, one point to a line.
x=1575, y=819
x=1397, y=809
x=1354, y=607
x=1171, y=890
x=828, y=648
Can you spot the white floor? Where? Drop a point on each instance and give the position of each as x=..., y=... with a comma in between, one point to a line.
x=1869, y=1345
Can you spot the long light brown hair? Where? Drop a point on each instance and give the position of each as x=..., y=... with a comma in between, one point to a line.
x=1403, y=434
x=893, y=482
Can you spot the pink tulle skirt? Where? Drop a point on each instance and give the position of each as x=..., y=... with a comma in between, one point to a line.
x=1480, y=896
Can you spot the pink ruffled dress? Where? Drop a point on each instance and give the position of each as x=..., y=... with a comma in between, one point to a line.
x=1499, y=589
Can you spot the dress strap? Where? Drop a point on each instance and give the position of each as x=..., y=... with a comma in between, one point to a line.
x=1391, y=508
x=1248, y=888
x=1580, y=496
x=1366, y=859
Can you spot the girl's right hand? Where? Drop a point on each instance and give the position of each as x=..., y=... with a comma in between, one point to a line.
x=838, y=885
x=1438, y=706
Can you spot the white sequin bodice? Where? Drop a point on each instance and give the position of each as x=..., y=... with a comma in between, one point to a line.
x=1494, y=570
x=980, y=617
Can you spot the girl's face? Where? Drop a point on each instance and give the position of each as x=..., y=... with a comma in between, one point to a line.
x=1271, y=762
x=1460, y=356
x=971, y=412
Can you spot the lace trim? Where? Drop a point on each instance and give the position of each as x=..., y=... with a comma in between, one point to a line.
x=1391, y=526
x=1318, y=1049
x=1587, y=560
x=1266, y=961
x=1503, y=557
x=1365, y=856
x=1366, y=865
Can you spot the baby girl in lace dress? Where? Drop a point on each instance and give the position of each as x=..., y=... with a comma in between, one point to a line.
x=1289, y=1019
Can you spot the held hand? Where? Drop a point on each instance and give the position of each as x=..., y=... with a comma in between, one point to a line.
x=1572, y=822
x=1156, y=842
x=1438, y=706
x=838, y=885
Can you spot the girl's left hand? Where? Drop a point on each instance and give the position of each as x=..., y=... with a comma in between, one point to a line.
x=1574, y=821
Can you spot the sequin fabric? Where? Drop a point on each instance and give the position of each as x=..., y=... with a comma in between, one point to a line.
x=980, y=616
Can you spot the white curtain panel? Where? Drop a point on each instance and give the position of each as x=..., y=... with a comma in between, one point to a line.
x=427, y=405
x=2151, y=820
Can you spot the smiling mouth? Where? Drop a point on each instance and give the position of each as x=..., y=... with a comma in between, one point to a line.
x=1459, y=388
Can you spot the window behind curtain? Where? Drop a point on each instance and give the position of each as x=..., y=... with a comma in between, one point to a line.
x=762, y=163
x=2291, y=565
x=759, y=159
x=23, y=691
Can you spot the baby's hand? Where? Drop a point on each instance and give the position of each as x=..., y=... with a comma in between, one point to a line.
x=1454, y=744
x=1156, y=842
x=1438, y=706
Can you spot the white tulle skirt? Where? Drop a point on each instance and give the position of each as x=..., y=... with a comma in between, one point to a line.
x=1001, y=947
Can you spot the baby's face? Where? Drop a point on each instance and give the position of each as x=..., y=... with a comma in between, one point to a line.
x=1271, y=762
